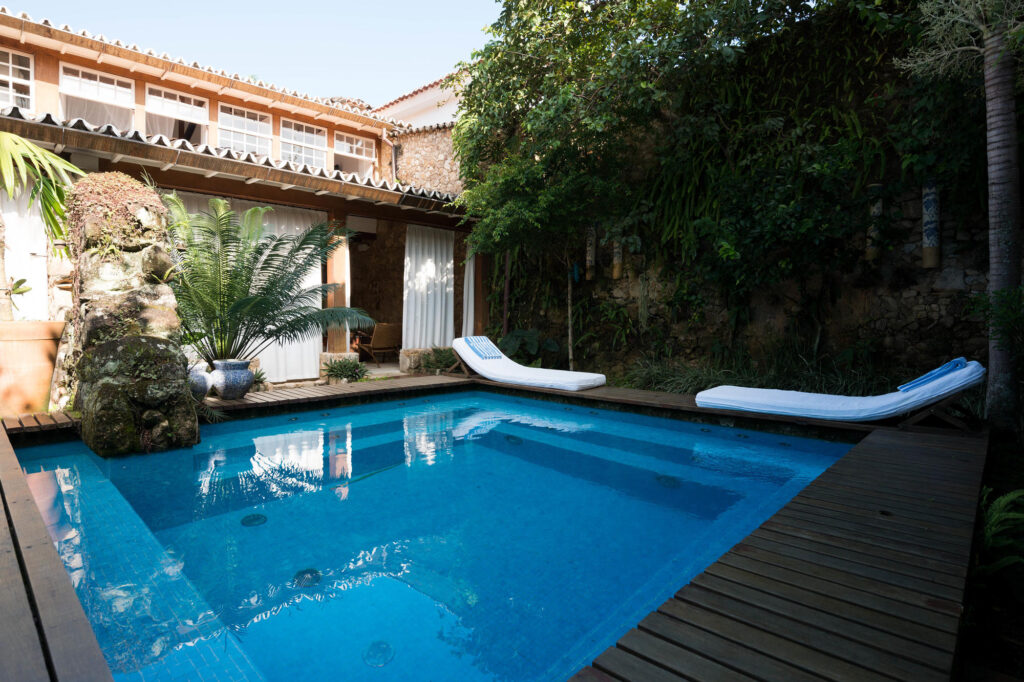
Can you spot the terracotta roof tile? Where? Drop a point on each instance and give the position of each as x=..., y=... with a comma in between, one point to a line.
x=225, y=153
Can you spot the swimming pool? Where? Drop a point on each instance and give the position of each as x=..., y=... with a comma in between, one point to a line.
x=466, y=536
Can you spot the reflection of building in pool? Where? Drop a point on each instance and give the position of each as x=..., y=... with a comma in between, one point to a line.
x=427, y=436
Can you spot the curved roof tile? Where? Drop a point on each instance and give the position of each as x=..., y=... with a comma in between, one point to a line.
x=222, y=152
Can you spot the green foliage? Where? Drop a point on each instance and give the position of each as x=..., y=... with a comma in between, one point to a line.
x=239, y=290
x=345, y=368
x=259, y=377
x=438, y=359
x=618, y=322
x=24, y=164
x=18, y=288
x=850, y=372
x=1001, y=544
x=735, y=143
x=527, y=346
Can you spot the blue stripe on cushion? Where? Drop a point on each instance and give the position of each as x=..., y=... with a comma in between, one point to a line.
x=483, y=347
x=949, y=367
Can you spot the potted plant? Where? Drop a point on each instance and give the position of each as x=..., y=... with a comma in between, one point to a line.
x=240, y=290
x=28, y=349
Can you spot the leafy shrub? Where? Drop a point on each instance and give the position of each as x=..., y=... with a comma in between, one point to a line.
x=437, y=359
x=259, y=376
x=1002, y=532
x=850, y=372
x=343, y=368
x=527, y=346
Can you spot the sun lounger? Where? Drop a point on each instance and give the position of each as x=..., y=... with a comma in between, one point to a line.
x=484, y=358
x=939, y=385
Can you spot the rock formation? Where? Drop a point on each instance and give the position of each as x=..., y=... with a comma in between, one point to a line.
x=128, y=373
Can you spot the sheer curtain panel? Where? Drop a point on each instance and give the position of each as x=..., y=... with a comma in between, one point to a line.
x=428, y=310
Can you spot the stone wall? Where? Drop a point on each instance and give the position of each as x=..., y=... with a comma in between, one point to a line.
x=894, y=306
x=378, y=272
x=426, y=159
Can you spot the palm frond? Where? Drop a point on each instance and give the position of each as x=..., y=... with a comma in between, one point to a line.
x=23, y=165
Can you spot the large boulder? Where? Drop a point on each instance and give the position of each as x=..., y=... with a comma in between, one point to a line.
x=135, y=397
x=124, y=363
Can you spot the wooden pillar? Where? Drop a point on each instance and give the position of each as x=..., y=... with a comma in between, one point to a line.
x=338, y=272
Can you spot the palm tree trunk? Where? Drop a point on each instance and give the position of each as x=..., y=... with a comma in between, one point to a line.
x=1003, y=216
x=6, y=310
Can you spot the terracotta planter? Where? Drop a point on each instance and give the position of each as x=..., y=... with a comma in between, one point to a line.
x=28, y=351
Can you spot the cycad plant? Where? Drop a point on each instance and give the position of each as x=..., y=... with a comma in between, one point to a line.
x=26, y=166
x=240, y=289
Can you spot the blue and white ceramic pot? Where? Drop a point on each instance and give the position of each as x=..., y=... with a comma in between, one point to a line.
x=198, y=381
x=231, y=378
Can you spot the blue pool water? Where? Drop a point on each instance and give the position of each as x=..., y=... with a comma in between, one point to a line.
x=465, y=536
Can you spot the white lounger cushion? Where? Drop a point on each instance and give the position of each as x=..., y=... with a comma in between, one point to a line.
x=840, y=407
x=497, y=367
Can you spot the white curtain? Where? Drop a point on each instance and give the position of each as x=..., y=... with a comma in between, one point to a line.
x=428, y=310
x=468, y=296
x=97, y=113
x=280, y=361
x=159, y=125
x=25, y=255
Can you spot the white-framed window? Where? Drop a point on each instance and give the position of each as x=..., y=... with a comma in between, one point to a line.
x=244, y=130
x=176, y=115
x=302, y=143
x=354, y=154
x=97, y=97
x=16, y=79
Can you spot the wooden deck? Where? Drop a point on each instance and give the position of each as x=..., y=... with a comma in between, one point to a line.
x=265, y=400
x=859, y=577
x=44, y=633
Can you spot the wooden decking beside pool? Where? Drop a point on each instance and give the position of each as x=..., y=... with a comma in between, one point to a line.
x=40, y=421
x=860, y=577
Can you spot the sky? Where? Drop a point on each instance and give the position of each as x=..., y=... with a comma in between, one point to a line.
x=374, y=50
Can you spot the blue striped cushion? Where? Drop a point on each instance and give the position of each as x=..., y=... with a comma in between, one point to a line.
x=483, y=347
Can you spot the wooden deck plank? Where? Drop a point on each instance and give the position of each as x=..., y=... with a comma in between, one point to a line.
x=867, y=549
x=62, y=418
x=860, y=575
x=44, y=421
x=21, y=651
x=625, y=666
x=28, y=422
x=679, y=660
x=795, y=654
x=866, y=555
x=827, y=621
x=64, y=630
x=737, y=656
x=817, y=638
x=591, y=674
x=12, y=424
x=887, y=622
